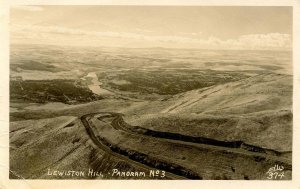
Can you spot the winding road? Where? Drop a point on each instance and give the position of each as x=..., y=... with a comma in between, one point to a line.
x=141, y=160
x=104, y=147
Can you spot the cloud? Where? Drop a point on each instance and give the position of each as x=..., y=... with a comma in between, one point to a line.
x=191, y=33
x=28, y=8
x=270, y=41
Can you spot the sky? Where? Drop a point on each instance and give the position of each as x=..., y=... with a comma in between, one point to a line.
x=200, y=27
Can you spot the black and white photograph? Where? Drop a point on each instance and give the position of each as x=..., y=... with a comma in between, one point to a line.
x=150, y=92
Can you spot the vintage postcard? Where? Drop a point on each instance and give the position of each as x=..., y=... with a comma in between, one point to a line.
x=151, y=92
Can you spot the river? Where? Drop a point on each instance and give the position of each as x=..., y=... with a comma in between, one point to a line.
x=95, y=85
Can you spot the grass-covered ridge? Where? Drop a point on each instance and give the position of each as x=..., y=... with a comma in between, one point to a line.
x=167, y=82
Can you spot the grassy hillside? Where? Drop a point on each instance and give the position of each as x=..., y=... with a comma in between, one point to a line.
x=256, y=110
x=254, y=94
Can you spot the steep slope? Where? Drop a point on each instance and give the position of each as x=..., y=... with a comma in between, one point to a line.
x=254, y=94
x=256, y=110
